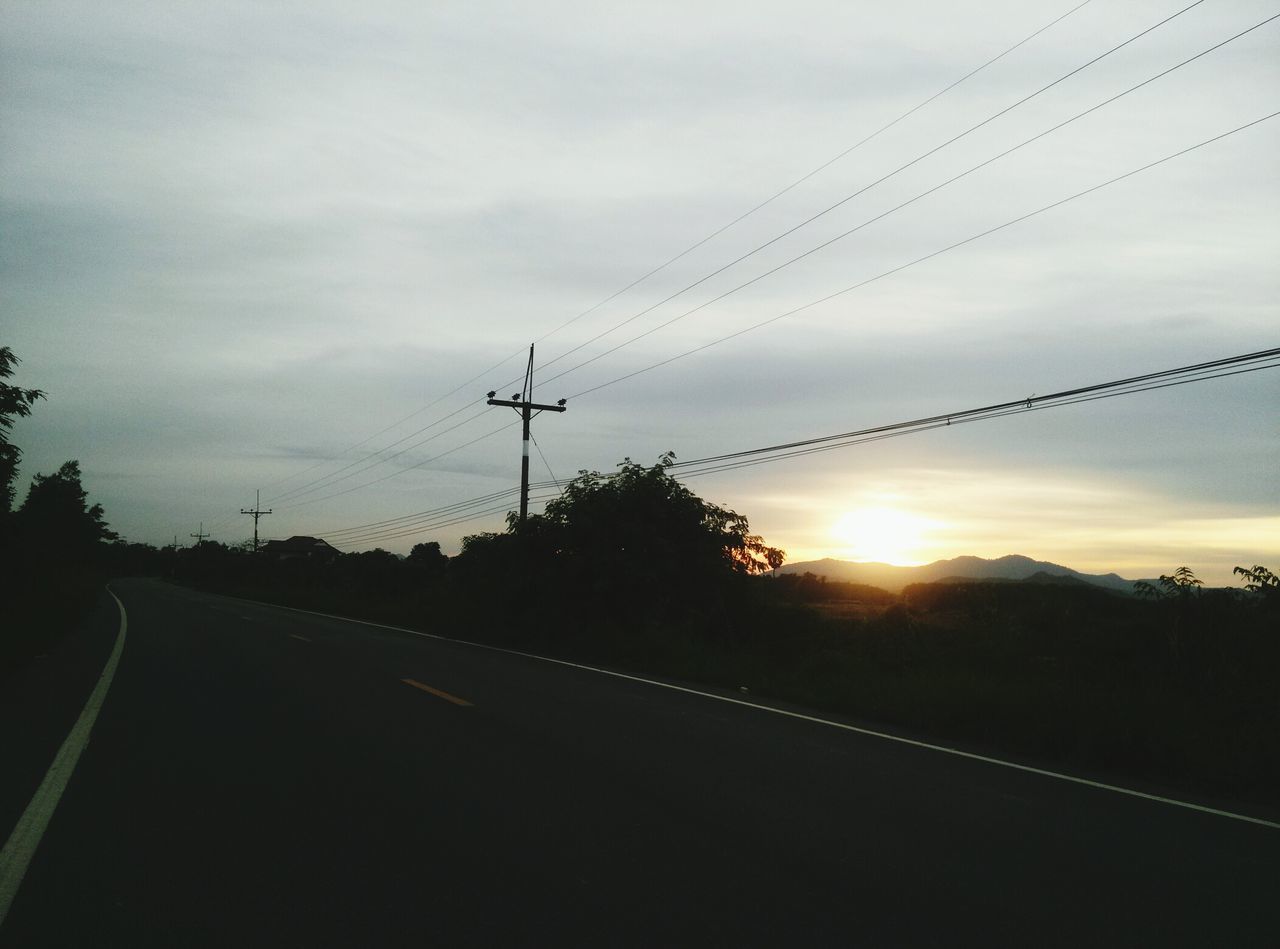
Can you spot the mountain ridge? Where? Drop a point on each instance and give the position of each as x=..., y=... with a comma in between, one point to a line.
x=956, y=569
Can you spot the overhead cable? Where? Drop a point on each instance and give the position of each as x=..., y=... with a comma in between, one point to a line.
x=730, y=461
x=803, y=178
x=863, y=190
x=926, y=257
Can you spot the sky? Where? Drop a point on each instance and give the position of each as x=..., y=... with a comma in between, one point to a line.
x=245, y=246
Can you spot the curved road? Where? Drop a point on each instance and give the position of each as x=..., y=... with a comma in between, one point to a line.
x=265, y=777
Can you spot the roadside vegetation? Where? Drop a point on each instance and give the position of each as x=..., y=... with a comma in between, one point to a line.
x=56, y=548
x=633, y=571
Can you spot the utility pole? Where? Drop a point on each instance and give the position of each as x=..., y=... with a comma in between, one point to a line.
x=257, y=512
x=199, y=535
x=523, y=403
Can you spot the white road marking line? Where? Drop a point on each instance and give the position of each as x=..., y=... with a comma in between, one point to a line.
x=959, y=753
x=296, y=636
x=26, y=836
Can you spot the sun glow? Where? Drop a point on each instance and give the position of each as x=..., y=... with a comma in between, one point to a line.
x=883, y=535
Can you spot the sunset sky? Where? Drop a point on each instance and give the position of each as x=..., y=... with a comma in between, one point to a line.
x=243, y=244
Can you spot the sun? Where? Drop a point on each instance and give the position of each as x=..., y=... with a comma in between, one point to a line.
x=882, y=535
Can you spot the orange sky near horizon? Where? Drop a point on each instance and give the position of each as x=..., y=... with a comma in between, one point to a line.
x=915, y=517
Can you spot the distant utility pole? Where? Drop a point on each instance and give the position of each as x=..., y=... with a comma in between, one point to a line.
x=523, y=403
x=199, y=535
x=257, y=512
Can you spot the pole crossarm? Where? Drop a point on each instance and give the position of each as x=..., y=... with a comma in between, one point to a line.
x=528, y=405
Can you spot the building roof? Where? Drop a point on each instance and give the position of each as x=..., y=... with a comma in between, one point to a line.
x=300, y=544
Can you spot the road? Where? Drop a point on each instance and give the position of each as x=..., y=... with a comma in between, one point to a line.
x=264, y=777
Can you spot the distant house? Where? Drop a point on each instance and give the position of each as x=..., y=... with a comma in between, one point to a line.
x=300, y=548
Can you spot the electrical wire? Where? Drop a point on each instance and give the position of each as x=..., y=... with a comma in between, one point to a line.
x=400, y=471
x=746, y=458
x=919, y=260
x=863, y=190
x=461, y=514
x=938, y=187
x=475, y=516
x=547, y=464
x=474, y=379
x=428, y=514
x=803, y=307
x=1218, y=368
x=811, y=174
x=330, y=479
x=803, y=178
x=838, y=293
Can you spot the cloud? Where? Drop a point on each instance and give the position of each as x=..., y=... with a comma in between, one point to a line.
x=240, y=239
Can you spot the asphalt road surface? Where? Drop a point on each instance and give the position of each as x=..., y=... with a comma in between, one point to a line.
x=264, y=777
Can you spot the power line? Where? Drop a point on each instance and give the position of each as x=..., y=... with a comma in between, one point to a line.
x=416, y=412
x=831, y=296
x=441, y=525
x=883, y=214
x=546, y=464
x=919, y=260
x=298, y=491
x=1196, y=372
x=1019, y=410
x=861, y=191
x=803, y=178
x=425, y=461
x=811, y=304
x=428, y=514
x=730, y=461
x=329, y=479
x=462, y=510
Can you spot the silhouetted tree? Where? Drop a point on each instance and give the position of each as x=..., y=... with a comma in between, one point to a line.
x=1258, y=579
x=644, y=520
x=56, y=518
x=1263, y=584
x=1180, y=584
x=1178, y=592
x=15, y=403
x=427, y=556
x=636, y=548
x=637, y=541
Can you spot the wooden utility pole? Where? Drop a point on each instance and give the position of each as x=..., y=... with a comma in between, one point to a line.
x=200, y=535
x=257, y=513
x=523, y=403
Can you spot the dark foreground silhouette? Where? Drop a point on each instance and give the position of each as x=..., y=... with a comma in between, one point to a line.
x=635, y=571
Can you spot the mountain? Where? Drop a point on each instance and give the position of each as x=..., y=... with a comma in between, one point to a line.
x=958, y=569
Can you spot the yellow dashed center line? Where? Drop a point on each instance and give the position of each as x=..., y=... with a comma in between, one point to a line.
x=436, y=692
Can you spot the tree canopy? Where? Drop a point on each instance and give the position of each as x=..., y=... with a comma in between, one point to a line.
x=637, y=538
x=57, y=518
x=15, y=403
x=643, y=519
